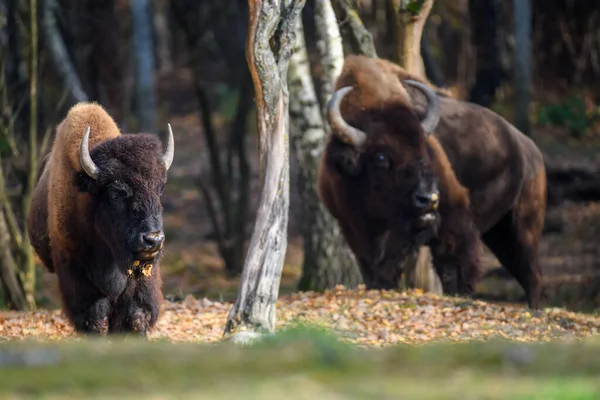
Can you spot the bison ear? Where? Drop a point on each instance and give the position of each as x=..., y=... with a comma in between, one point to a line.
x=347, y=161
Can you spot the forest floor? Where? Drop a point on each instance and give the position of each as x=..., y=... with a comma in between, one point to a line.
x=200, y=292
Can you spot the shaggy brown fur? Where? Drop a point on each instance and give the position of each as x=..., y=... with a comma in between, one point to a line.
x=490, y=176
x=81, y=228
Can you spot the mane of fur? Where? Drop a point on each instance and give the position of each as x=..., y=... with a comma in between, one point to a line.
x=64, y=200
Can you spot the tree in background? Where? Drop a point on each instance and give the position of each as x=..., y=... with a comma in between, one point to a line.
x=485, y=20
x=144, y=65
x=522, y=63
x=328, y=260
x=410, y=17
x=271, y=38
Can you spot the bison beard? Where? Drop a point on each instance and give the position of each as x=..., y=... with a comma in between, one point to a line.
x=96, y=221
x=383, y=163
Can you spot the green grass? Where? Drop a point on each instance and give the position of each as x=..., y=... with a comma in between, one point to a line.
x=301, y=363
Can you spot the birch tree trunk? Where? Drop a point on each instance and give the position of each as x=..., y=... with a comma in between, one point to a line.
x=522, y=63
x=409, y=21
x=327, y=259
x=271, y=37
x=144, y=64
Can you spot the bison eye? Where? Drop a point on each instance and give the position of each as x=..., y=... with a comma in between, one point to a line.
x=382, y=161
x=117, y=194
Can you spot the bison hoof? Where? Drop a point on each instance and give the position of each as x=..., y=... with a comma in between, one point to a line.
x=93, y=327
x=140, y=323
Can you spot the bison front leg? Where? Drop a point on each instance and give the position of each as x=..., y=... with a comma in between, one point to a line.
x=456, y=258
x=143, y=306
x=83, y=304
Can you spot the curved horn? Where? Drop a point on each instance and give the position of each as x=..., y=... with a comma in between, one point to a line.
x=347, y=134
x=169, y=145
x=90, y=168
x=431, y=119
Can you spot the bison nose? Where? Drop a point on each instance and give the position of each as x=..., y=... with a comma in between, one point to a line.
x=426, y=200
x=153, y=241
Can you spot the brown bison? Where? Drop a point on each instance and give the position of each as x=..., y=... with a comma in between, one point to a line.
x=96, y=221
x=396, y=176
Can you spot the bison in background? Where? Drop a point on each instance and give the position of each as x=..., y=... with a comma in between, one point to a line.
x=96, y=221
x=396, y=176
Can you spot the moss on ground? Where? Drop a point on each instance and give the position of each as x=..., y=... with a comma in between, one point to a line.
x=299, y=363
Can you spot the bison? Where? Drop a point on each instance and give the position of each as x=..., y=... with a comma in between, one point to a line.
x=447, y=175
x=96, y=221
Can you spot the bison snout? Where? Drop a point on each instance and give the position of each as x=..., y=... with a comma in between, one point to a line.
x=151, y=242
x=426, y=200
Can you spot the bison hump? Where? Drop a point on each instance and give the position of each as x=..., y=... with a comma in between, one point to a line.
x=70, y=131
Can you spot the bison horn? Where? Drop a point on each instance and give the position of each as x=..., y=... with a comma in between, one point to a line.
x=346, y=133
x=431, y=119
x=169, y=145
x=85, y=159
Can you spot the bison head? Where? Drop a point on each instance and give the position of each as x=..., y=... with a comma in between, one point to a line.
x=125, y=178
x=382, y=154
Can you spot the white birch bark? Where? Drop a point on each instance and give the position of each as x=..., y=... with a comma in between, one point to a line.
x=327, y=259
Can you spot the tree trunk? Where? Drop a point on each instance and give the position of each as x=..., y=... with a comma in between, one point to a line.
x=163, y=37
x=432, y=69
x=360, y=38
x=271, y=37
x=522, y=63
x=327, y=259
x=15, y=78
x=141, y=25
x=60, y=56
x=330, y=49
x=107, y=57
x=485, y=17
x=28, y=276
x=409, y=21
